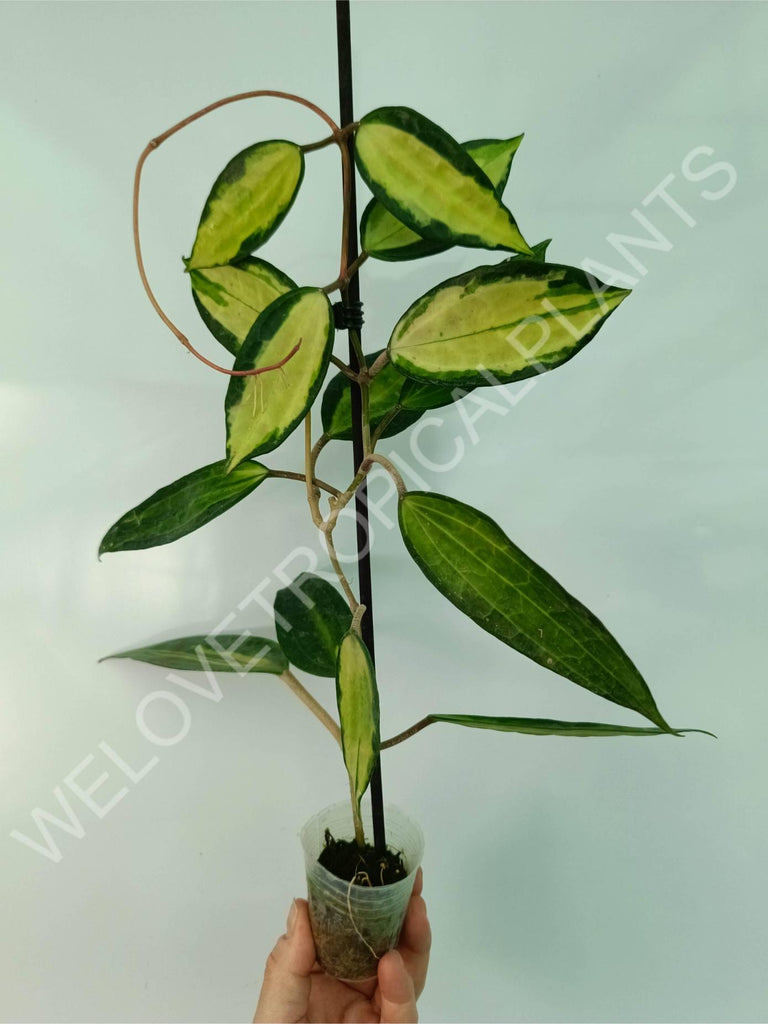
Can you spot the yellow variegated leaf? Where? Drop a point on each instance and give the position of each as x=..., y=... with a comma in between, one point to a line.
x=427, y=181
x=494, y=158
x=247, y=203
x=501, y=323
x=230, y=298
x=358, y=702
x=387, y=238
x=261, y=411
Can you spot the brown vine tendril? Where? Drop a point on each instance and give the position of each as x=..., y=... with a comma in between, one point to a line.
x=338, y=137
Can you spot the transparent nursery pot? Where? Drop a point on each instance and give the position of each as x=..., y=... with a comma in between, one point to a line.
x=355, y=925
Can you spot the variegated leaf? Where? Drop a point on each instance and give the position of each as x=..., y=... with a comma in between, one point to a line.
x=358, y=702
x=262, y=411
x=231, y=652
x=384, y=236
x=230, y=298
x=494, y=158
x=183, y=506
x=471, y=561
x=550, y=727
x=247, y=203
x=501, y=323
x=424, y=177
x=539, y=252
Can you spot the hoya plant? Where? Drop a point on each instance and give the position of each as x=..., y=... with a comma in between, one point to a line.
x=514, y=315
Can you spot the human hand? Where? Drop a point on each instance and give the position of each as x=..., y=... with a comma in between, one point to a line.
x=296, y=989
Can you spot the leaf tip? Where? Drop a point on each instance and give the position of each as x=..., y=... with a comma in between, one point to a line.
x=233, y=459
x=702, y=732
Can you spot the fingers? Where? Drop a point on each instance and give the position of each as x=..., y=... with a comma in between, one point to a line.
x=418, y=882
x=397, y=995
x=416, y=938
x=285, y=992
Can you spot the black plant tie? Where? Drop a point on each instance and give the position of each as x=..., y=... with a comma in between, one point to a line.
x=348, y=317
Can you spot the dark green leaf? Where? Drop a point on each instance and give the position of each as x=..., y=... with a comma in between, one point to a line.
x=419, y=395
x=197, y=654
x=183, y=506
x=311, y=617
x=476, y=566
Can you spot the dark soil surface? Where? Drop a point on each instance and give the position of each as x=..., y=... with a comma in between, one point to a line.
x=367, y=866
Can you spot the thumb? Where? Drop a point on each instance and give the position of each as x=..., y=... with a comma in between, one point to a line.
x=285, y=993
x=396, y=992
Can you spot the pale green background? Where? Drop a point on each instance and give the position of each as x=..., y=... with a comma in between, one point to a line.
x=567, y=880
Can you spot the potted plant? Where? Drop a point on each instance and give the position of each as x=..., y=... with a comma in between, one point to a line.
x=515, y=315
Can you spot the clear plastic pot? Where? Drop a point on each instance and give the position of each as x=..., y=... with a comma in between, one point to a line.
x=355, y=925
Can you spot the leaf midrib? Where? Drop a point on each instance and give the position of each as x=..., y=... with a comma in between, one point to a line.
x=485, y=565
x=546, y=315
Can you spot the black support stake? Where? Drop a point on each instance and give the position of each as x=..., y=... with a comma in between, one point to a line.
x=350, y=296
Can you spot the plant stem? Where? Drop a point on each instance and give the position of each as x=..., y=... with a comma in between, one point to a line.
x=284, y=474
x=354, y=604
x=326, y=527
x=320, y=443
x=307, y=699
x=365, y=410
x=407, y=733
x=357, y=346
x=356, y=817
x=340, y=502
x=310, y=147
x=402, y=490
x=313, y=494
x=378, y=364
x=343, y=280
x=383, y=424
x=344, y=368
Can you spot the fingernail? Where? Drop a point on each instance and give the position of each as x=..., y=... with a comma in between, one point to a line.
x=291, y=918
